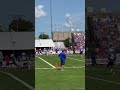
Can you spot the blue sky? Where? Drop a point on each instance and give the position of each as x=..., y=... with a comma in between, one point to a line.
x=11, y=8
x=66, y=14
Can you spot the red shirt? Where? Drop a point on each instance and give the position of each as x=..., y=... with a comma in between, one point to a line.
x=7, y=59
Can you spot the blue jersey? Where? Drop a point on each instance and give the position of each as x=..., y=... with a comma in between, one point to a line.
x=62, y=56
x=56, y=50
x=93, y=55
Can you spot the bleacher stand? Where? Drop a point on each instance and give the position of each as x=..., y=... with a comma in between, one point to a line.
x=106, y=30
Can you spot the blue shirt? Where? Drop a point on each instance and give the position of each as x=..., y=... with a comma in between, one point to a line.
x=62, y=56
x=56, y=50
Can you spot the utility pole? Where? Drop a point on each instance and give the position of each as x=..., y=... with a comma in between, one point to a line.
x=12, y=41
x=51, y=16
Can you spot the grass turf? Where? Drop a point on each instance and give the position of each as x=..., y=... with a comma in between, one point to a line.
x=8, y=83
x=101, y=72
x=52, y=79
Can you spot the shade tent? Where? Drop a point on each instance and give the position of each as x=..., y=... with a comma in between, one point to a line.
x=16, y=40
x=44, y=43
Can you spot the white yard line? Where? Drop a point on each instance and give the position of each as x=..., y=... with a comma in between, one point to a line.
x=60, y=67
x=103, y=80
x=46, y=62
x=76, y=59
x=19, y=80
x=44, y=68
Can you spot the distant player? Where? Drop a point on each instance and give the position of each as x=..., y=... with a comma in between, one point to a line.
x=13, y=59
x=111, y=58
x=50, y=51
x=47, y=52
x=62, y=57
x=93, y=58
x=56, y=50
x=81, y=51
x=7, y=59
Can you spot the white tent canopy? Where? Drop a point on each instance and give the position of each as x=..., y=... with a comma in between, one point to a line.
x=16, y=40
x=44, y=43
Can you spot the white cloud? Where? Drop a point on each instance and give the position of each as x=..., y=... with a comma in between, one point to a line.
x=39, y=12
x=68, y=22
x=67, y=15
x=67, y=25
x=74, y=19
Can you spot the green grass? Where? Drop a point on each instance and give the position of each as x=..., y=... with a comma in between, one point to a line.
x=70, y=79
x=27, y=76
x=8, y=83
x=102, y=72
x=52, y=79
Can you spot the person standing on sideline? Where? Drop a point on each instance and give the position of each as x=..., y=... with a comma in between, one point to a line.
x=62, y=57
x=93, y=58
x=111, y=58
x=81, y=51
x=7, y=59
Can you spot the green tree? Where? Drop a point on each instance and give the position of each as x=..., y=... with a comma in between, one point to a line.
x=21, y=25
x=67, y=42
x=44, y=36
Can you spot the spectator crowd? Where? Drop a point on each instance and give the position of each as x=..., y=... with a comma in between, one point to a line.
x=22, y=60
x=79, y=40
x=106, y=33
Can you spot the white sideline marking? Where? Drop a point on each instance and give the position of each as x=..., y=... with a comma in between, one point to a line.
x=46, y=62
x=76, y=59
x=24, y=83
x=81, y=88
x=75, y=67
x=77, y=89
x=103, y=80
x=60, y=67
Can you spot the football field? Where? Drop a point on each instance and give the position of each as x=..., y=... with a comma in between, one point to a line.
x=17, y=79
x=101, y=78
x=47, y=77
